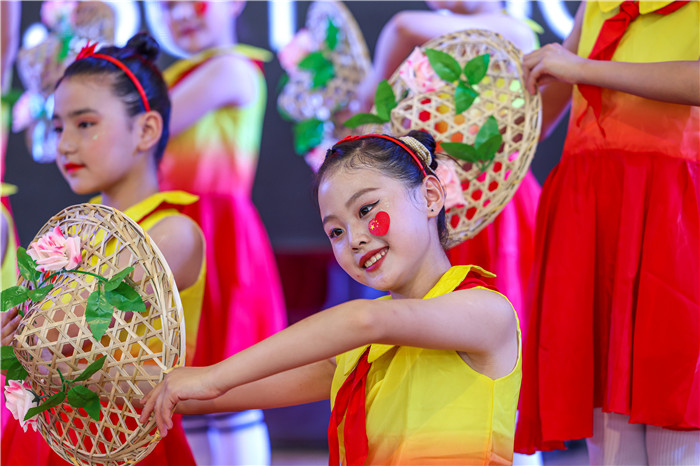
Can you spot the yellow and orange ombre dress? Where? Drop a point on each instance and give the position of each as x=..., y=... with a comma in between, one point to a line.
x=615, y=321
x=216, y=159
x=426, y=406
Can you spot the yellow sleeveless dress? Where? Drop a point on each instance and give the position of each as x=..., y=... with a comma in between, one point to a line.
x=426, y=406
x=148, y=213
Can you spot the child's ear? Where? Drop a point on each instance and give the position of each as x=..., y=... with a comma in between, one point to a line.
x=434, y=195
x=149, y=129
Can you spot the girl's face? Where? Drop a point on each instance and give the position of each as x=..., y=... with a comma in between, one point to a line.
x=97, y=140
x=197, y=26
x=349, y=201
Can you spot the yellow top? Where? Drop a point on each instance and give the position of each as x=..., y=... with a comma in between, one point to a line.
x=8, y=268
x=191, y=297
x=426, y=406
x=218, y=153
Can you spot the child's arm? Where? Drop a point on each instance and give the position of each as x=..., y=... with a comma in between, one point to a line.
x=220, y=81
x=180, y=240
x=674, y=82
x=304, y=384
x=477, y=322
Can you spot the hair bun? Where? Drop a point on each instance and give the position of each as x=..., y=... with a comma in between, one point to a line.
x=145, y=45
x=427, y=140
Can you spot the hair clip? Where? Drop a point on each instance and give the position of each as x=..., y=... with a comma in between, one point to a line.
x=87, y=51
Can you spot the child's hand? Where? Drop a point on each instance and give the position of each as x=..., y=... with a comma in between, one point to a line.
x=551, y=63
x=10, y=322
x=185, y=383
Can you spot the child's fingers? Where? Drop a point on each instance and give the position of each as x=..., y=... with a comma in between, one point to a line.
x=10, y=322
x=148, y=401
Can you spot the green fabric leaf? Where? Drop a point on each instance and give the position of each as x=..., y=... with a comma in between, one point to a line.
x=83, y=397
x=98, y=314
x=117, y=278
x=284, y=79
x=464, y=97
x=488, y=130
x=307, y=135
x=461, y=151
x=323, y=76
x=10, y=363
x=364, y=119
x=331, y=35
x=313, y=61
x=40, y=293
x=476, y=68
x=91, y=369
x=13, y=296
x=55, y=400
x=384, y=100
x=27, y=266
x=125, y=298
x=444, y=65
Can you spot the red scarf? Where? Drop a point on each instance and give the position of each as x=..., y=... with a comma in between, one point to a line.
x=608, y=39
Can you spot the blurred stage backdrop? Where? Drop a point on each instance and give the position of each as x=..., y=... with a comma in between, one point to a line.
x=282, y=190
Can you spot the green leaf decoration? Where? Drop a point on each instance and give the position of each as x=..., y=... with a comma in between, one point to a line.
x=40, y=293
x=488, y=149
x=464, y=97
x=10, y=97
x=27, y=266
x=488, y=130
x=125, y=298
x=118, y=278
x=55, y=400
x=98, y=314
x=364, y=119
x=13, y=296
x=476, y=68
x=307, y=135
x=460, y=150
x=331, y=35
x=444, y=65
x=314, y=61
x=10, y=363
x=284, y=79
x=384, y=100
x=83, y=397
x=91, y=369
x=323, y=76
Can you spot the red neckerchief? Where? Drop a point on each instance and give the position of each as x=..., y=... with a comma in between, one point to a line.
x=350, y=402
x=608, y=39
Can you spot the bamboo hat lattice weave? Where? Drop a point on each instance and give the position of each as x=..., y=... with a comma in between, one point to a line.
x=503, y=95
x=350, y=59
x=53, y=335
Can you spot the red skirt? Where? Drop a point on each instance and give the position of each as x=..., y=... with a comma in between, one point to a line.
x=21, y=448
x=615, y=309
x=243, y=302
x=507, y=246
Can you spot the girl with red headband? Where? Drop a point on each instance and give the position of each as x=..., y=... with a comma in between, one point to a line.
x=218, y=93
x=613, y=343
x=111, y=118
x=428, y=375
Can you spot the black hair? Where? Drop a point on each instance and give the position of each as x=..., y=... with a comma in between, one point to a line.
x=385, y=156
x=138, y=55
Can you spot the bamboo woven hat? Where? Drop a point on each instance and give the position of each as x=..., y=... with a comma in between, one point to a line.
x=502, y=94
x=137, y=347
x=350, y=59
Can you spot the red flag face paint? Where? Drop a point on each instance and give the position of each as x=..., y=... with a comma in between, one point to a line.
x=379, y=225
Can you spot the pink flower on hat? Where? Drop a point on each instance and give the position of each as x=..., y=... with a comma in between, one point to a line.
x=299, y=47
x=447, y=174
x=418, y=75
x=53, y=252
x=19, y=399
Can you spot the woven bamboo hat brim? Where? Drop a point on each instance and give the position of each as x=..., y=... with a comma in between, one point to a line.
x=503, y=95
x=350, y=59
x=53, y=335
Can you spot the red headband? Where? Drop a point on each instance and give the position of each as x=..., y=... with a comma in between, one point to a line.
x=388, y=138
x=89, y=51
